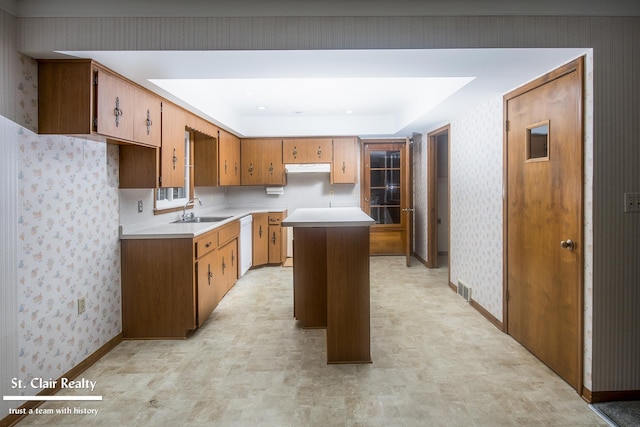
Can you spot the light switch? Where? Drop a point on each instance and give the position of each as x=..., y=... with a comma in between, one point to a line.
x=631, y=202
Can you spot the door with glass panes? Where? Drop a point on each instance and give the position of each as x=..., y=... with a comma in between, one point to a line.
x=385, y=195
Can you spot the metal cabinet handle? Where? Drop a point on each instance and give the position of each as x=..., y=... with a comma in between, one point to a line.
x=175, y=159
x=271, y=168
x=274, y=239
x=260, y=232
x=251, y=169
x=319, y=151
x=233, y=258
x=209, y=274
x=295, y=152
x=223, y=265
x=568, y=244
x=149, y=122
x=117, y=111
x=344, y=167
x=225, y=166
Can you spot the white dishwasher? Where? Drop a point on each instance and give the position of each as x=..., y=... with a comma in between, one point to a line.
x=245, y=243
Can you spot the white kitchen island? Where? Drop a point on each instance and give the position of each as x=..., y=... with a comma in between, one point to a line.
x=331, y=278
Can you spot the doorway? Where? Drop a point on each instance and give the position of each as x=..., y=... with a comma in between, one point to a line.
x=386, y=195
x=544, y=263
x=438, y=196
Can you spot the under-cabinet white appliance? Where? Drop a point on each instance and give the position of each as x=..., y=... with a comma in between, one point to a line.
x=246, y=259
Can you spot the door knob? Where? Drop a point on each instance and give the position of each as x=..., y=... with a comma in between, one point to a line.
x=568, y=244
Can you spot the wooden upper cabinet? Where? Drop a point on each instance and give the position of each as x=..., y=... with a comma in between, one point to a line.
x=147, y=119
x=307, y=150
x=115, y=106
x=81, y=97
x=261, y=161
x=205, y=160
x=228, y=158
x=273, y=168
x=345, y=161
x=65, y=97
x=173, y=145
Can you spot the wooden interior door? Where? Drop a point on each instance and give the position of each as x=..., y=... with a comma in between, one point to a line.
x=385, y=195
x=544, y=243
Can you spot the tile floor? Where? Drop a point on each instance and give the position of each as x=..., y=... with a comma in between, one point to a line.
x=436, y=362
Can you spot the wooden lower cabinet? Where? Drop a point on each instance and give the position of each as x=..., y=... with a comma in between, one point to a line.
x=171, y=286
x=228, y=265
x=277, y=238
x=269, y=238
x=260, y=239
x=208, y=293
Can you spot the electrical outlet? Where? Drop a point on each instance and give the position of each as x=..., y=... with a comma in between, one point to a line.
x=139, y=206
x=81, y=305
x=631, y=202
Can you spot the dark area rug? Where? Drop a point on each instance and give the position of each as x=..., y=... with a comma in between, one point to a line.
x=622, y=414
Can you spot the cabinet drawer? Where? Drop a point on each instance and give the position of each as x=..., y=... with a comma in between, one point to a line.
x=205, y=243
x=275, y=218
x=228, y=232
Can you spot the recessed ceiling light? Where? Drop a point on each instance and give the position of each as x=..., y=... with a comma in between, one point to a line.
x=261, y=107
x=349, y=111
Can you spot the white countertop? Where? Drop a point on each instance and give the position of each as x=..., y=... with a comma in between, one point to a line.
x=159, y=229
x=328, y=217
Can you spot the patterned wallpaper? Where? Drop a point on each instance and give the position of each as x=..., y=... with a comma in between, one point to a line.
x=67, y=246
x=476, y=203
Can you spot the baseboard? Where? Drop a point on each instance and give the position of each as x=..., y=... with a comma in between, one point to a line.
x=490, y=317
x=419, y=258
x=74, y=372
x=609, y=396
x=480, y=309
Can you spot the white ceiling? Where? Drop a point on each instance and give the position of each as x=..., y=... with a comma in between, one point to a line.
x=337, y=92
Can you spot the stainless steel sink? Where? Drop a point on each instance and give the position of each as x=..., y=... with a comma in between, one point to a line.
x=202, y=219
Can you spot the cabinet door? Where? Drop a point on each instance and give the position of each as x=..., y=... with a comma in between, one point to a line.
x=319, y=150
x=251, y=162
x=229, y=264
x=345, y=161
x=228, y=159
x=115, y=106
x=207, y=296
x=260, y=239
x=272, y=166
x=147, y=119
x=205, y=160
x=172, y=151
x=294, y=151
x=275, y=244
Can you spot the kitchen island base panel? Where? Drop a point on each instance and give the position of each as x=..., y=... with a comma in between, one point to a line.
x=348, y=295
x=310, y=282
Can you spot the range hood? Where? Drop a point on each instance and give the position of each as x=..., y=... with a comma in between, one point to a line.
x=308, y=168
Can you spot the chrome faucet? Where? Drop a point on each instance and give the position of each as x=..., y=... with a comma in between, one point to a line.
x=190, y=215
